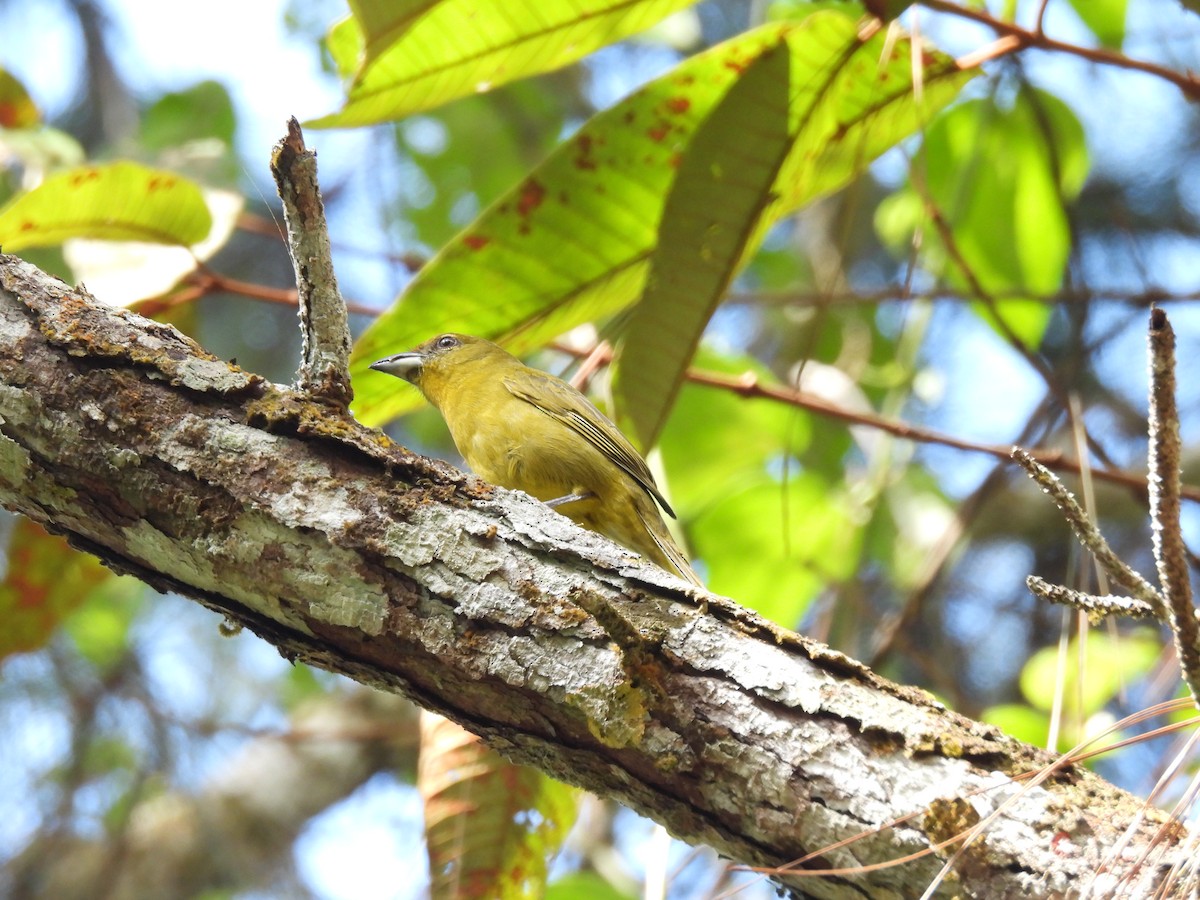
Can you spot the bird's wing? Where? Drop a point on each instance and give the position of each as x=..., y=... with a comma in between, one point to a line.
x=567, y=405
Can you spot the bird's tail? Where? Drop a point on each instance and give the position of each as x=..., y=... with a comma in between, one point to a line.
x=670, y=552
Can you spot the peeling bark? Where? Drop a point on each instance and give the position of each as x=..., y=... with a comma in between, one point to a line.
x=560, y=648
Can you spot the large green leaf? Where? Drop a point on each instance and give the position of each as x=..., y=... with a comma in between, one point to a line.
x=120, y=201
x=572, y=242
x=460, y=47
x=999, y=179
x=383, y=22
x=724, y=183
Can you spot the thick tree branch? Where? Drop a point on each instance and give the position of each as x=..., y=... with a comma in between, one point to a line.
x=561, y=649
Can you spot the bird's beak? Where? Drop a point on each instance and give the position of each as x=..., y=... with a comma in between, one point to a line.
x=402, y=365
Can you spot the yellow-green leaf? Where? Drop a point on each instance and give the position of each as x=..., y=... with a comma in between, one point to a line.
x=417, y=58
x=723, y=184
x=572, y=242
x=120, y=201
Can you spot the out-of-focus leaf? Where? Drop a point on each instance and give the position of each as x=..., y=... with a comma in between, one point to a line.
x=715, y=203
x=1108, y=663
x=344, y=41
x=571, y=243
x=460, y=47
x=121, y=274
x=777, y=542
x=770, y=534
x=584, y=886
x=490, y=826
x=46, y=581
x=1022, y=722
x=17, y=109
x=100, y=628
x=1104, y=18
x=999, y=179
x=204, y=110
x=38, y=150
x=120, y=201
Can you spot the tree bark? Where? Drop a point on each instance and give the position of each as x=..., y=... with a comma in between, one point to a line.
x=560, y=648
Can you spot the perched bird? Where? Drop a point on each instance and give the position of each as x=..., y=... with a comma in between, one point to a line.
x=522, y=428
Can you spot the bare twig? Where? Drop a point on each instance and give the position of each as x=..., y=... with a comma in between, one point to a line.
x=1187, y=82
x=1089, y=535
x=324, y=367
x=1096, y=607
x=1169, y=551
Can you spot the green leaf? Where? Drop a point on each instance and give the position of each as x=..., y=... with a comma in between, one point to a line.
x=799, y=532
x=383, y=22
x=120, y=201
x=17, y=109
x=584, y=886
x=1022, y=722
x=572, y=242
x=1000, y=179
x=739, y=500
x=1108, y=663
x=416, y=59
x=204, y=110
x=100, y=628
x=715, y=203
x=1104, y=18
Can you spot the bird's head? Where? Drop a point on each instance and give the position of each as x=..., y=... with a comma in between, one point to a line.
x=444, y=360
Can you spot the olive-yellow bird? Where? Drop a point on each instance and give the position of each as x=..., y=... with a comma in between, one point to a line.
x=524, y=429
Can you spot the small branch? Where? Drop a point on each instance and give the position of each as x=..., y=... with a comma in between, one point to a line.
x=748, y=385
x=324, y=367
x=1088, y=535
x=1185, y=81
x=1095, y=607
x=1169, y=551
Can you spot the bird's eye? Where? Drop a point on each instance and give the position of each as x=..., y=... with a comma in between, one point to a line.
x=446, y=341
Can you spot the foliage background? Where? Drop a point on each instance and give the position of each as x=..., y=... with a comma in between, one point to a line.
x=1071, y=192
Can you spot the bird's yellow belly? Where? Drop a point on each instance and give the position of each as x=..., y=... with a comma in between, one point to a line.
x=524, y=453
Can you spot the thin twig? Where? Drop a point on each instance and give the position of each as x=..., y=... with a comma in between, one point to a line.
x=1169, y=551
x=1087, y=532
x=1096, y=607
x=1187, y=82
x=324, y=371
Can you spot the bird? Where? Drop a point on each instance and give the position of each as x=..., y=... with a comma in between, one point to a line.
x=524, y=429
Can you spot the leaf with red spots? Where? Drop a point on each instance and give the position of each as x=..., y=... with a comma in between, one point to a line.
x=17, y=109
x=120, y=201
x=710, y=218
x=416, y=55
x=572, y=243
x=46, y=580
x=490, y=826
